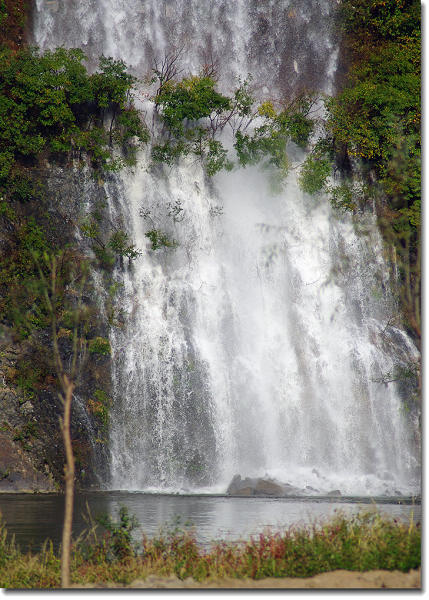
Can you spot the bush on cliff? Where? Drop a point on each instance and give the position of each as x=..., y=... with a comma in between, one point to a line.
x=50, y=105
x=373, y=128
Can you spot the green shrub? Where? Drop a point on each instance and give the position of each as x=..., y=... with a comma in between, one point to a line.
x=189, y=100
x=119, y=541
x=159, y=240
x=99, y=345
x=194, y=114
x=99, y=406
x=120, y=244
x=49, y=103
x=313, y=174
x=217, y=158
x=373, y=129
x=360, y=543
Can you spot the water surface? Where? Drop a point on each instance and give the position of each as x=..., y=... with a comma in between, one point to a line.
x=33, y=518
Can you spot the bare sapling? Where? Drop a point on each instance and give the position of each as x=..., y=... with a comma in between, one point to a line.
x=67, y=374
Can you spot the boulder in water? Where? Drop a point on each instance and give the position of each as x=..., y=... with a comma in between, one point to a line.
x=260, y=486
x=268, y=487
x=334, y=493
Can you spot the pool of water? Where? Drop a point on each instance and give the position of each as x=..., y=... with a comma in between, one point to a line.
x=33, y=518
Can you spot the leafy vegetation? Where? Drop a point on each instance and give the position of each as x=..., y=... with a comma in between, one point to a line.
x=50, y=105
x=366, y=541
x=118, y=544
x=190, y=100
x=159, y=240
x=99, y=345
x=194, y=113
x=99, y=406
x=120, y=244
x=373, y=129
x=13, y=18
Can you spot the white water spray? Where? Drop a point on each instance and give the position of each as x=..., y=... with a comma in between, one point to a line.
x=255, y=346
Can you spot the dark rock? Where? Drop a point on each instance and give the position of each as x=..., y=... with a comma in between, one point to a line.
x=245, y=491
x=241, y=487
x=268, y=487
x=30, y=425
x=290, y=490
x=261, y=486
x=17, y=473
x=311, y=489
x=334, y=493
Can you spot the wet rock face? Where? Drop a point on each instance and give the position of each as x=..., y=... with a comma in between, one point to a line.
x=18, y=473
x=259, y=486
x=31, y=446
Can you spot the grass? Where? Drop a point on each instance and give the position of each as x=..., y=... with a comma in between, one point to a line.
x=361, y=543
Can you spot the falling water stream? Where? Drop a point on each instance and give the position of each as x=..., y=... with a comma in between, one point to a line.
x=256, y=345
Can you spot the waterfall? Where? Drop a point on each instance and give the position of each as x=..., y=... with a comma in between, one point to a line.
x=257, y=345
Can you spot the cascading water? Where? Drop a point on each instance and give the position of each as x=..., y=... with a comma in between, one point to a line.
x=255, y=345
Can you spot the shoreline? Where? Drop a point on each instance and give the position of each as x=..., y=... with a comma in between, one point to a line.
x=340, y=579
x=409, y=500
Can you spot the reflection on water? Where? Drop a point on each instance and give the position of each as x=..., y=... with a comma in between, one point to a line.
x=33, y=518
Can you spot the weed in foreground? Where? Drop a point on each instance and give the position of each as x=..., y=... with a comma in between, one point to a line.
x=360, y=543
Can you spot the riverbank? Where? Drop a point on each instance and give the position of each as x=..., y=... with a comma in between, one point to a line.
x=340, y=579
x=379, y=552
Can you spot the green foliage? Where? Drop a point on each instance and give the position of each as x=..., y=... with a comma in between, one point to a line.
x=50, y=106
x=300, y=128
x=343, y=197
x=269, y=140
x=3, y=12
x=159, y=240
x=99, y=345
x=400, y=372
x=169, y=151
x=194, y=113
x=251, y=149
x=217, y=158
x=360, y=543
x=49, y=103
x=189, y=100
x=112, y=84
x=373, y=128
x=106, y=259
x=382, y=100
x=120, y=244
x=388, y=20
x=314, y=172
x=25, y=434
x=377, y=115
x=118, y=544
x=295, y=120
x=13, y=18
x=28, y=379
x=99, y=406
x=349, y=195
x=18, y=274
x=243, y=98
x=183, y=105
